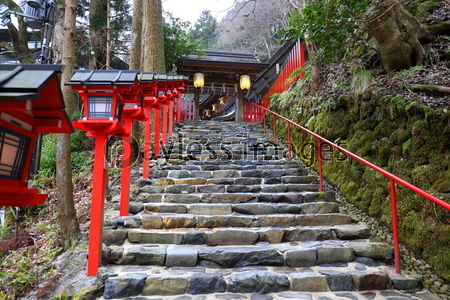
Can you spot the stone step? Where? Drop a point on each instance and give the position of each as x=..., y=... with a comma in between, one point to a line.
x=171, y=221
x=250, y=163
x=205, y=178
x=232, y=236
x=292, y=255
x=345, y=278
x=153, y=196
x=167, y=187
x=242, y=208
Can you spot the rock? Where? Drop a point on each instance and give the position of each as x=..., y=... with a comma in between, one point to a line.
x=124, y=286
x=258, y=282
x=354, y=231
x=370, y=281
x=180, y=189
x=308, y=282
x=326, y=255
x=206, y=284
x=193, y=238
x=165, y=285
x=144, y=255
x=372, y=250
x=234, y=257
x=152, y=222
x=181, y=256
x=271, y=235
x=181, y=198
x=338, y=281
x=215, y=209
x=114, y=237
x=178, y=174
x=231, y=237
x=301, y=258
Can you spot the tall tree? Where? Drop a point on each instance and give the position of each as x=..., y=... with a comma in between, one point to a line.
x=70, y=230
x=205, y=31
x=18, y=36
x=136, y=36
x=152, y=56
x=253, y=26
x=177, y=42
x=97, y=33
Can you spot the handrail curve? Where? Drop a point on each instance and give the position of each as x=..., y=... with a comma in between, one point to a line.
x=392, y=178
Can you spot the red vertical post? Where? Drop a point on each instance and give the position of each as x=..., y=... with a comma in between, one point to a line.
x=179, y=100
x=126, y=169
x=289, y=156
x=171, y=114
x=147, y=143
x=157, y=130
x=165, y=127
x=274, y=129
x=97, y=205
x=397, y=257
x=320, y=164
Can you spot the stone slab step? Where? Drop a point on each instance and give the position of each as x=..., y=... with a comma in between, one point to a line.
x=229, y=173
x=172, y=221
x=252, y=162
x=243, y=208
x=233, y=198
x=206, y=178
x=363, y=295
x=164, y=186
x=291, y=255
x=157, y=281
x=233, y=236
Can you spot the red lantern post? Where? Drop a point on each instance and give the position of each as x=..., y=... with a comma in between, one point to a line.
x=102, y=93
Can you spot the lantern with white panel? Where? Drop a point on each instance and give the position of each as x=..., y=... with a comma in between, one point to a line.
x=31, y=103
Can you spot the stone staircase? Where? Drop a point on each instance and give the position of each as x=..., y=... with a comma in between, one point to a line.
x=227, y=216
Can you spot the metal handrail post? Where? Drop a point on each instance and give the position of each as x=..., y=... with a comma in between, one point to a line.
x=395, y=234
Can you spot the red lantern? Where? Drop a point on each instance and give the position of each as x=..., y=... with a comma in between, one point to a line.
x=30, y=103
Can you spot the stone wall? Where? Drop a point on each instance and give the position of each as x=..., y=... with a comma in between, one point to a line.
x=409, y=140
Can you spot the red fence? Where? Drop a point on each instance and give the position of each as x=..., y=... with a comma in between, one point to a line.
x=295, y=61
x=187, y=109
x=392, y=178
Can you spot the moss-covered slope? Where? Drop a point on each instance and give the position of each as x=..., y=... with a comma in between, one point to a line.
x=405, y=138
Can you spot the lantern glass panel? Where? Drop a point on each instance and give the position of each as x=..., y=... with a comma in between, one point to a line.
x=100, y=106
x=13, y=147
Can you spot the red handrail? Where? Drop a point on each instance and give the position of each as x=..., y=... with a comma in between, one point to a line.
x=392, y=179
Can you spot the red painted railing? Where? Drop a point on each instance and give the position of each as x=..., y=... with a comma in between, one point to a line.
x=295, y=61
x=392, y=178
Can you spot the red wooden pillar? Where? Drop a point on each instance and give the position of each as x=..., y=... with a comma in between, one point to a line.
x=157, y=130
x=171, y=117
x=165, y=121
x=97, y=206
x=147, y=143
x=179, y=100
x=126, y=169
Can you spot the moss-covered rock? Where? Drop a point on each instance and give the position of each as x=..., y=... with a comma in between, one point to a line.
x=408, y=139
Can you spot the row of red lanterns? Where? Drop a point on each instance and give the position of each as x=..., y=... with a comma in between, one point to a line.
x=112, y=100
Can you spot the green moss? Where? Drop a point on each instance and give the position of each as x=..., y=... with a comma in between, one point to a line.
x=426, y=8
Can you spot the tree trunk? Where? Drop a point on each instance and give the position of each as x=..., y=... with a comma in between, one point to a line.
x=153, y=37
x=97, y=32
x=136, y=36
x=398, y=34
x=19, y=37
x=70, y=230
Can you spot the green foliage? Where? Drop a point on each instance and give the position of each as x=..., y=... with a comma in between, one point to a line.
x=205, y=31
x=177, y=42
x=332, y=24
x=361, y=81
